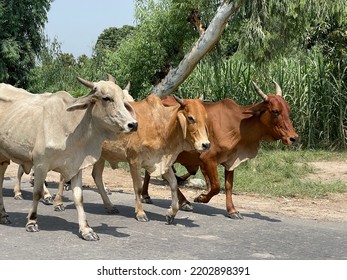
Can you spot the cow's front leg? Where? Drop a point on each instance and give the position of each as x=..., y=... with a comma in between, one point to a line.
x=85, y=230
x=171, y=213
x=210, y=172
x=98, y=169
x=135, y=172
x=40, y=175
x=4, y=219
x=229, y=181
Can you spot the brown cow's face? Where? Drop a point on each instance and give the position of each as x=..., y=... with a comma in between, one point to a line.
x=276, y=119
x=192, y=117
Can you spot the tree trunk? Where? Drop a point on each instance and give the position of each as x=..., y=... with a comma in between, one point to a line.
x=206, y=42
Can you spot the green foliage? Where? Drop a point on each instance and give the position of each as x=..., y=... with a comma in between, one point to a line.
x=21, y=37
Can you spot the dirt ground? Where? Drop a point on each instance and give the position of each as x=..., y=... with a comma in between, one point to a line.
x=332, y=208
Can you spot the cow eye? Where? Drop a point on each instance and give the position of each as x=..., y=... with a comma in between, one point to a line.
x=275, y=112
x=191, y=120
x=107, y=98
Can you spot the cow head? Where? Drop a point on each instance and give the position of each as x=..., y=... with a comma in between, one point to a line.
x=192, y=118
x=110, y=106
x=274, y=114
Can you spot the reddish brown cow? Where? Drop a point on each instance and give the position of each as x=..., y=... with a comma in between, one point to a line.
x=235, y=133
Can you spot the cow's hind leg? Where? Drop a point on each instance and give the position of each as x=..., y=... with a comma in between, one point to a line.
x=98, y=169
x=171, y=213
x=58, y=201
x=85, y=230
x=17, y=187
x=4, y=219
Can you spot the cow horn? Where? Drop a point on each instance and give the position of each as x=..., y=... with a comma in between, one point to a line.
x=278, y=89
x=86, y=83
x=110, y=78
x=127, y=87
x=259, y=91
x=179, y=100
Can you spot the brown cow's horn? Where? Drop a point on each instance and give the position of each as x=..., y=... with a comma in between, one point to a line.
x=278, y=89
x=110, y=78
x=179, y=100
x=86, y=83
x=259, y=91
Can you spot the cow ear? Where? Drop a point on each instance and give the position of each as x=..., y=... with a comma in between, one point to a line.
x=256, y=109
x=80, y=104
x=183, y=123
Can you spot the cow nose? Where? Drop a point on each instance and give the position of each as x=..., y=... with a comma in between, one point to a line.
x=206, y=146
x=133, y=126
x=294, y=139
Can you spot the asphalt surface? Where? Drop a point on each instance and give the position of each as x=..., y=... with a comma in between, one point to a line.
x=204, y=234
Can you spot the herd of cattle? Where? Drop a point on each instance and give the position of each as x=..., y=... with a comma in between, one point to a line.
x=54, y=131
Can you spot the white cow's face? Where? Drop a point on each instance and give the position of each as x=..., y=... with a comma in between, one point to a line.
x=111, y=107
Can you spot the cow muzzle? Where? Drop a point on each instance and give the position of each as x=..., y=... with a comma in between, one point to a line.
x=204, y=147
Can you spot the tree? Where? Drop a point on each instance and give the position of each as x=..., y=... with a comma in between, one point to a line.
x=21, y=37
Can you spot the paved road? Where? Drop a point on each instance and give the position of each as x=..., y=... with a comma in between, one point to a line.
x=203, y=234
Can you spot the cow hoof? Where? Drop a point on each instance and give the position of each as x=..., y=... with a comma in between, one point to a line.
x=59, y=208
x=142, y=218
x=113, y=210
x=90, y=236
x=32, y=227
x=186, y=206
x=66, y=187
x=47, y=201
x=18, y=197
x=235, y=216
x=200, y=199
x=169, y=219
x=5, y=221
x=147, y=200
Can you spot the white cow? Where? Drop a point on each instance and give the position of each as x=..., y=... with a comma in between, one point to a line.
x=60, y=133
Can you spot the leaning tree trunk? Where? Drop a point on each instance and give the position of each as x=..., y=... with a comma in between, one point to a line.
x=206, y=42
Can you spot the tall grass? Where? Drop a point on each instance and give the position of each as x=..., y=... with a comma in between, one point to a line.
x=316, y=91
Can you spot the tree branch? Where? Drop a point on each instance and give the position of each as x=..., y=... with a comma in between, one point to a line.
x=206, y=42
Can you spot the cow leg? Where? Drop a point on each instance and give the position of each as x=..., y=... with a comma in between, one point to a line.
x=85, y=230
x=210, y=172
x=229, y=181
x=47, y=197
x=58, y=201
x=171, y=213
x=145, y=196
x=17, y=187
x=98, y=169
x=40, y=175
x=4, y=219
x=183, y=202
x=135, y=172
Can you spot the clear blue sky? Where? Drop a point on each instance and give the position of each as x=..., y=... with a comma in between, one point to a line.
x=77, y=23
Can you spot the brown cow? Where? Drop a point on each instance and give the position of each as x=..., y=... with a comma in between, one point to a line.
x=235, y=133
x=163, y=133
